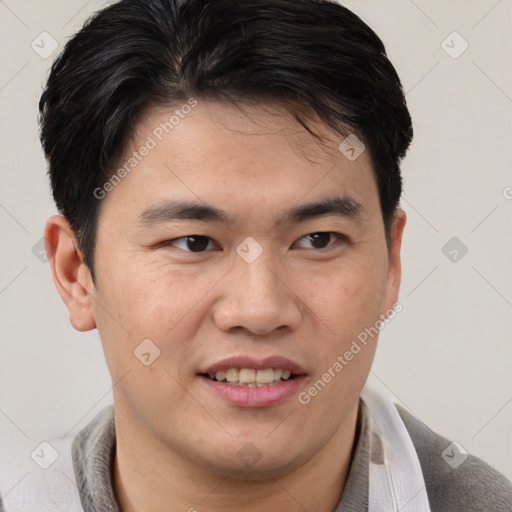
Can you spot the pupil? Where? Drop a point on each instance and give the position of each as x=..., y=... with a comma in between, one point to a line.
x=320, y=240
x=197, y=243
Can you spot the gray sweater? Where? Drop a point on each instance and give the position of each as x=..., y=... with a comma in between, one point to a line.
x=473, y=486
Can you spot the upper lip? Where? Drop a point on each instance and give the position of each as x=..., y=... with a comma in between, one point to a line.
x=258, y=364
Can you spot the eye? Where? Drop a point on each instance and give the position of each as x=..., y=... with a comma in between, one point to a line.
x=190, y=243
x=321, y=239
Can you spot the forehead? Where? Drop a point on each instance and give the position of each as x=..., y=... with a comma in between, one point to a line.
x=213, y=126
x=237, y=155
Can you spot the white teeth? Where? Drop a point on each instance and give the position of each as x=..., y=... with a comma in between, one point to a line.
x=249, y=377
x=245, y=376
x=232, y=375
x=265, y=376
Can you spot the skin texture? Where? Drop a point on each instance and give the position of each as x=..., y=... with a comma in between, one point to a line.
x=177, y=440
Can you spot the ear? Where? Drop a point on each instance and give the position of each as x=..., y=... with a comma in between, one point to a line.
x=395, y=264
x=71, y=276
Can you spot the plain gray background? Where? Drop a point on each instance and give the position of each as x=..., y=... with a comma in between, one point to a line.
x=447, y=356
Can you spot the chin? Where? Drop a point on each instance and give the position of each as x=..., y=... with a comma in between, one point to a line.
x=245, y=462
x=261, y=471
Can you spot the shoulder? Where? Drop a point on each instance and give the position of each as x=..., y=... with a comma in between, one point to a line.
x=38, y=478
x=456, y=481
x=53, y=474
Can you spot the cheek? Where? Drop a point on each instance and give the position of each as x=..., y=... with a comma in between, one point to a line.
x=168, y=302
x=156, y=303
x=348, y=298
x=148, y=294
x=347, y=305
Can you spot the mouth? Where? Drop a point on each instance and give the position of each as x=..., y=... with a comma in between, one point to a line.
x=250, y=377
x=250, y=382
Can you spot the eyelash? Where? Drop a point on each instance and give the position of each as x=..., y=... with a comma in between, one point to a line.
x=339, y=236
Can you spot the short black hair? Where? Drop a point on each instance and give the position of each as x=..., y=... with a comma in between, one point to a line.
x=315, y=55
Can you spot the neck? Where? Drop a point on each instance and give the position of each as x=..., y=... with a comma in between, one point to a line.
x=146, y=478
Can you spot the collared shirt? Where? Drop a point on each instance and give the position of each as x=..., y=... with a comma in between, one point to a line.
x=472, y=486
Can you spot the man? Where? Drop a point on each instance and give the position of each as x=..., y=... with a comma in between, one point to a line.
x=228, y=178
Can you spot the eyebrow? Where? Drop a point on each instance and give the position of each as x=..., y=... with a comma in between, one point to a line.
x=169, y=211
x=344, y=206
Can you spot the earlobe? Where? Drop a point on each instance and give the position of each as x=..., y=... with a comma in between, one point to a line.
x=395, y=265
x=70, y=275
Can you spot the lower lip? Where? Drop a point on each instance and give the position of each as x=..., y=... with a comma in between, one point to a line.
x=256, y=397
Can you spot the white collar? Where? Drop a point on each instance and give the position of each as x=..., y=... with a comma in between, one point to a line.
x=395, y=478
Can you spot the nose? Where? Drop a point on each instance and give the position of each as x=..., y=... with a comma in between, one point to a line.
x=257, y=297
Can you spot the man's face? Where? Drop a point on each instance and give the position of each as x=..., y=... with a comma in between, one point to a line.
x=264, y=285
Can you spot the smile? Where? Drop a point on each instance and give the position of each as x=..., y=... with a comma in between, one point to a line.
x=250, y=377
x=248, y=381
